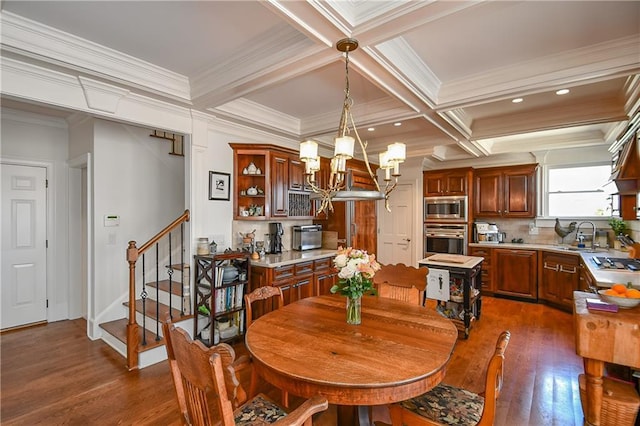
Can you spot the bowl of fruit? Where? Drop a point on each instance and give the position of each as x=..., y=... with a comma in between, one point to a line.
x=625, y=296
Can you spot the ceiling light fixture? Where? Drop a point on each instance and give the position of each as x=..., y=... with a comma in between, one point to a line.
x=517, y=100
x=398, y=124
x=337, y=186
x=562, y=92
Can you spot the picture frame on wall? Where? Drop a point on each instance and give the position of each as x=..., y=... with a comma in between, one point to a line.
x=219, y=186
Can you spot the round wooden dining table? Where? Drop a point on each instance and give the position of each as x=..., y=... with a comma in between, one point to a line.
x=399, y=351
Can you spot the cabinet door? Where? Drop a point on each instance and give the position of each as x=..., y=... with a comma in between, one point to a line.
x=550, y=282
x=515, y=273
x=489, y=193
x=279, y=185
x=296, y=174
x=433, y=183
x=324, y=281
x=519, y=193
x=302, y=288
x=456, y=183
x=569, y=275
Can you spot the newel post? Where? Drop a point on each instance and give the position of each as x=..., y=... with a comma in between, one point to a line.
x=133, y=338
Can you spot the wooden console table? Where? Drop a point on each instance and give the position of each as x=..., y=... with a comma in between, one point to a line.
x=603, y=337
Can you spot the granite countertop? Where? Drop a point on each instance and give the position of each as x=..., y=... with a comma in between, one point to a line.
x=291, y=257
x=604, y=277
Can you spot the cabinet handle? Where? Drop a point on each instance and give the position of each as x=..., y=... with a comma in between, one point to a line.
x=553, y=268
x=573, y=271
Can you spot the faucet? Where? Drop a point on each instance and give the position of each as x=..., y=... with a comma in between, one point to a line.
x=580, y=237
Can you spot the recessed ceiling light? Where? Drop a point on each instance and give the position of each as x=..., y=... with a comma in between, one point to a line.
x=371, y=129
x=562, y=92
x=397, y=124
x=517, y=100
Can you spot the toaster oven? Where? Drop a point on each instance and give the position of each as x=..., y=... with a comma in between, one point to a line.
x=307, y=237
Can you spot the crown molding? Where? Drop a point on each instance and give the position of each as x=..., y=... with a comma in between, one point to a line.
x=33, y=39
x=30, y=118
x=251, y=112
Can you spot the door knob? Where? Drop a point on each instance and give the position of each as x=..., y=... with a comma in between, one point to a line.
x=407, y=239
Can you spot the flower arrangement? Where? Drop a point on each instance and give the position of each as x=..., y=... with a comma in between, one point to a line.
x=356, y=269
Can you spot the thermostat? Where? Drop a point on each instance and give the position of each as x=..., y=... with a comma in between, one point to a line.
x=111, y=220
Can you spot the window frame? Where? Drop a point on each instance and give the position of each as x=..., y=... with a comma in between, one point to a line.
x=544, y=196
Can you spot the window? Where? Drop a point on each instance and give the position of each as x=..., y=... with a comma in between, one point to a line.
x=578, y=191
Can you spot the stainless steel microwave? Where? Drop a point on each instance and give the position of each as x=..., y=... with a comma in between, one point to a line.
x=445, y=209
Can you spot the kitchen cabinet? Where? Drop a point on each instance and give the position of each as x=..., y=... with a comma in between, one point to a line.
x=587, y=282
x=280, y=183
x=559, y=278
x=515, y=273
x=355, y=221
x=487, y=272
x=505, y=191
x=296, y=280
x=446, y=182
x=220, y=285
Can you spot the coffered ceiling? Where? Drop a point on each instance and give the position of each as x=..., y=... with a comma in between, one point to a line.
x=446, y=70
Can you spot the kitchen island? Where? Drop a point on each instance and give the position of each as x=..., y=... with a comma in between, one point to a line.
x=299, y=274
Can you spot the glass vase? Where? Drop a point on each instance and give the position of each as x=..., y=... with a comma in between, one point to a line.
x=354, y=315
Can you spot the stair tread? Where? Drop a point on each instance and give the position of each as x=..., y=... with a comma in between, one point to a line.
x=163, y=310
x=180, y=266
x=118, y=329
x=176, y=288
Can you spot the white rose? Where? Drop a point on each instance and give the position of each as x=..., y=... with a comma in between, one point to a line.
x=340, y=261
x=347, y=272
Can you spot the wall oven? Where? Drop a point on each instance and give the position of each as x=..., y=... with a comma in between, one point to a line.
x=445, y=209
x=445, y=238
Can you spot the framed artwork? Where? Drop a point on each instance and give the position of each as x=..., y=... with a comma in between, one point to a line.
x=219, y=185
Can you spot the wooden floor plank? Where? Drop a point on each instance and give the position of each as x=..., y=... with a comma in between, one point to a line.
x=55, y=375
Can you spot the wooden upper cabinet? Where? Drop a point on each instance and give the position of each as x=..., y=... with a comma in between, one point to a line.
x=505, y=191
x=297, y=181
x=279, y=184
x=446, y=182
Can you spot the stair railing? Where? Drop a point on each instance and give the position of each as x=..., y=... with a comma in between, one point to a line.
x=133, y=253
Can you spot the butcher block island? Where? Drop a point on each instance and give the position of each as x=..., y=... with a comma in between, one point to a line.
x=455, y=282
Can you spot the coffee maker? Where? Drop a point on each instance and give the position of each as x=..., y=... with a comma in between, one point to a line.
x=276, y=231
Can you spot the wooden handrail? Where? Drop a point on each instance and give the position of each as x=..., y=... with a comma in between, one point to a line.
x=132, y=257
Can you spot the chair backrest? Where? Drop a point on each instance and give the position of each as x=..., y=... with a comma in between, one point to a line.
x=494, y=380
x=402, y=282
x=271, y=299
x=198, y=381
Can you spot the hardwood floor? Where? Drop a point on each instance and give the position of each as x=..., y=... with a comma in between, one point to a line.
x=54, y=374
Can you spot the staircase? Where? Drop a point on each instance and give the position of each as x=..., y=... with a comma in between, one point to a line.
x=159, y=285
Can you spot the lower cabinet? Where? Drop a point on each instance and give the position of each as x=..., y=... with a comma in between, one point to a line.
x=587, y=281
x=515, y=273
x=560, y=276
x=297, y=280
x=486, y=273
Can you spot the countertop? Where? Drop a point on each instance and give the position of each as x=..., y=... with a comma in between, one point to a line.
x=604, y=277
x=290, y=257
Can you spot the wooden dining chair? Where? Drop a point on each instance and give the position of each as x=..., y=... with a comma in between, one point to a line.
x=402, y=282
x=268, y=298
x=209, y=392
x=449, y=405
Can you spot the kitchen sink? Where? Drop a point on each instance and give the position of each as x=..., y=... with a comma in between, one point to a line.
x=579, y=249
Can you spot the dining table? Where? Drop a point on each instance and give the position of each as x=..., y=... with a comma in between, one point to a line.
x=398, y=351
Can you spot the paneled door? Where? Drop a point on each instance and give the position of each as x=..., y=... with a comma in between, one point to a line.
x=24, y=261
x=396, y=227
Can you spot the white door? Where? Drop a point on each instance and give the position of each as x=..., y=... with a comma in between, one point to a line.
x=396, y=227
x=24, y=261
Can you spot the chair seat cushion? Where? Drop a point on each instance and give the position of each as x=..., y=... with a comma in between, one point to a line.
x=259, y=411
x=447, y=405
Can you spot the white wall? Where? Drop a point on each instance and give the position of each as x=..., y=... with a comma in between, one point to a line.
x=135, y=178
x=35, y=139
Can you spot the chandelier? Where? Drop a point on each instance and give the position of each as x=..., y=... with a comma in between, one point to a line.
x=337, y=187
